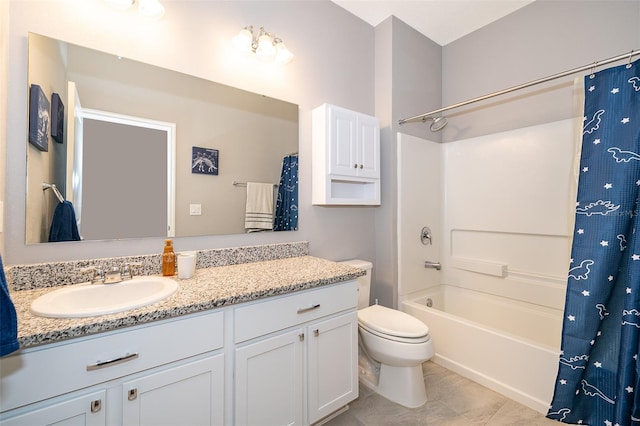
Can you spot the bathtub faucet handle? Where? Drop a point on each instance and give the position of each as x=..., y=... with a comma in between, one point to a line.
x=434, y=265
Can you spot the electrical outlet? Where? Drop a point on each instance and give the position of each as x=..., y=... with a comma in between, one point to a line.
x=195, y=209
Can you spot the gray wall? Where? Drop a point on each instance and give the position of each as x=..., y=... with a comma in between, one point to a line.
x=408, y=75
x=194, y=37
x=541, y=39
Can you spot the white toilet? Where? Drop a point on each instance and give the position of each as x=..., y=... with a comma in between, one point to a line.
x=393, y=346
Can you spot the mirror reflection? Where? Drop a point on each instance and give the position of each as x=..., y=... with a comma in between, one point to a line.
x=142, y=151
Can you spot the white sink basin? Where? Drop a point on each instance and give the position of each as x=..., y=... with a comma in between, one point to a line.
x=89, y=300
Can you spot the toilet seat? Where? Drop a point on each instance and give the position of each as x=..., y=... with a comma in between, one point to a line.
x=392, y=324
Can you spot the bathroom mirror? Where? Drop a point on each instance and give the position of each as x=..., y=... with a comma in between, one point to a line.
x=241, y=136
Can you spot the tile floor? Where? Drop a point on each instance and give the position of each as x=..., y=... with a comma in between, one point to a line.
x=453, y=401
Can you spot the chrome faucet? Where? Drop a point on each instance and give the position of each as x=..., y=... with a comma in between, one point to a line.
x=434, y=265
x=113, y=274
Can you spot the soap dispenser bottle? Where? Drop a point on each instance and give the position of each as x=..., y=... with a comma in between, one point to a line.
x=168, y=259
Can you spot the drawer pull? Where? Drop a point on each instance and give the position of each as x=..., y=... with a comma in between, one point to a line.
x=96, y=405
x=102, y=364
x=310, y=308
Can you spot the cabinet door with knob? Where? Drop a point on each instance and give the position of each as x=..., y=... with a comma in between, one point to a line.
x=333, y=364
x=269, y=381
x=77, y=410
x=190, y=394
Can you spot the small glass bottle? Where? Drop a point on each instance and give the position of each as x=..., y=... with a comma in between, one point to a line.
x=168, y=260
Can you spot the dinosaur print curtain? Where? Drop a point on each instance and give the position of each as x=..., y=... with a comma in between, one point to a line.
x=598, y=381
x=286, y=218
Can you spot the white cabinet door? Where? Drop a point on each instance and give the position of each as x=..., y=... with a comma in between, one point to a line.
x=368, y=147
x=270, y=382
x=343, y=142
x=190, y=394
x=84, y=410
x=333, y=364
x=354, y=144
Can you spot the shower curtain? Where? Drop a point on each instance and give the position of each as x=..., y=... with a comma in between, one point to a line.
x=286, y=218
x=598, y=381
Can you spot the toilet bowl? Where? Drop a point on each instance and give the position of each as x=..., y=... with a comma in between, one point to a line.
x=393, y=345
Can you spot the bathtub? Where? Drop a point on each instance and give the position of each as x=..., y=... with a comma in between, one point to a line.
x=508, y=346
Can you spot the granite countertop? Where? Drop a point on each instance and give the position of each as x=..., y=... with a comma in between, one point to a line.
x=209, y=288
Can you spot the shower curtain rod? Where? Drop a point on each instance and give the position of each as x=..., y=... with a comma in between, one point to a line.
x=424, y=116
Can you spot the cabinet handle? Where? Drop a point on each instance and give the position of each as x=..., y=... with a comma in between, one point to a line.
x=301, y=337
x=361, y=166
x=316, y=332
x=96, y=405
x=102, y=364
x=310, y=308
x=132, y=394
x=355, y=166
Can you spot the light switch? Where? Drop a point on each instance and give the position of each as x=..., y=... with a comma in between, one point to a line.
x=195, y=209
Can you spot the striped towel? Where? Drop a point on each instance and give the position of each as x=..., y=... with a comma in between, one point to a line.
x=259, y=209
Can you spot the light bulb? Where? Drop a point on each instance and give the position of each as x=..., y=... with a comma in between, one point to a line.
x=265, y=49
x=283, y=55
x=242, y=41
x=151, y=9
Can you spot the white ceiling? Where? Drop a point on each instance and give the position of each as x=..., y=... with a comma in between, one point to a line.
x=443, y=21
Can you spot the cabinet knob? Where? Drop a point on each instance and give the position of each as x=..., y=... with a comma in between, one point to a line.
x=361, y=166
x=301, y=337
x=316, y=332
x=355, y=166
x=132, y=394
x=96, y=405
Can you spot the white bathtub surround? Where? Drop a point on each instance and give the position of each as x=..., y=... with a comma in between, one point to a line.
x=501, y=208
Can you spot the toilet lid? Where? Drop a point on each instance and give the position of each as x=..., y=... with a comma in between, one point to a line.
x=392, y=322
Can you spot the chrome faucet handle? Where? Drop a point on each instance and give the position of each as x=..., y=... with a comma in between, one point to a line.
x=97, y=274
x=126, y=270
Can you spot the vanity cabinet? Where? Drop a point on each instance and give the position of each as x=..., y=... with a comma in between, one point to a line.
x=288, y=359
x=346, y=157
x=120, y=377
x=296, y=357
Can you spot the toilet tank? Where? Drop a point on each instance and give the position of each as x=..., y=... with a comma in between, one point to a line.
x=364, y=282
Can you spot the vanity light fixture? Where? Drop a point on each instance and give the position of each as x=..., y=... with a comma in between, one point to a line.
x=151, y=9
x=264, y=45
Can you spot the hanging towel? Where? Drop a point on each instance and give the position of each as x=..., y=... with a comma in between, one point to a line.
x=259, y=209
x=63, y=225
x=8, y=319
x=287, y=204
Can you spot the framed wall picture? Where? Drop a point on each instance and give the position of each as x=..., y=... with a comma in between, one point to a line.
x=57, y=118
x=204, y=161
x=39, y=120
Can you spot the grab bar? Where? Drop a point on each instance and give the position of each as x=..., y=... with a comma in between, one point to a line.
x=53, y=186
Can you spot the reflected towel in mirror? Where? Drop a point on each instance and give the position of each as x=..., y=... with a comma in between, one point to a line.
x=259, y=207
x=63, y=225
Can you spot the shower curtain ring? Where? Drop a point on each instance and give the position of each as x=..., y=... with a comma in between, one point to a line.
x=630, y=56
x=593, y=70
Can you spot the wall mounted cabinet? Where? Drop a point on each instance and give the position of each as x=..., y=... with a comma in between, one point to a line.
x=346, y=157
